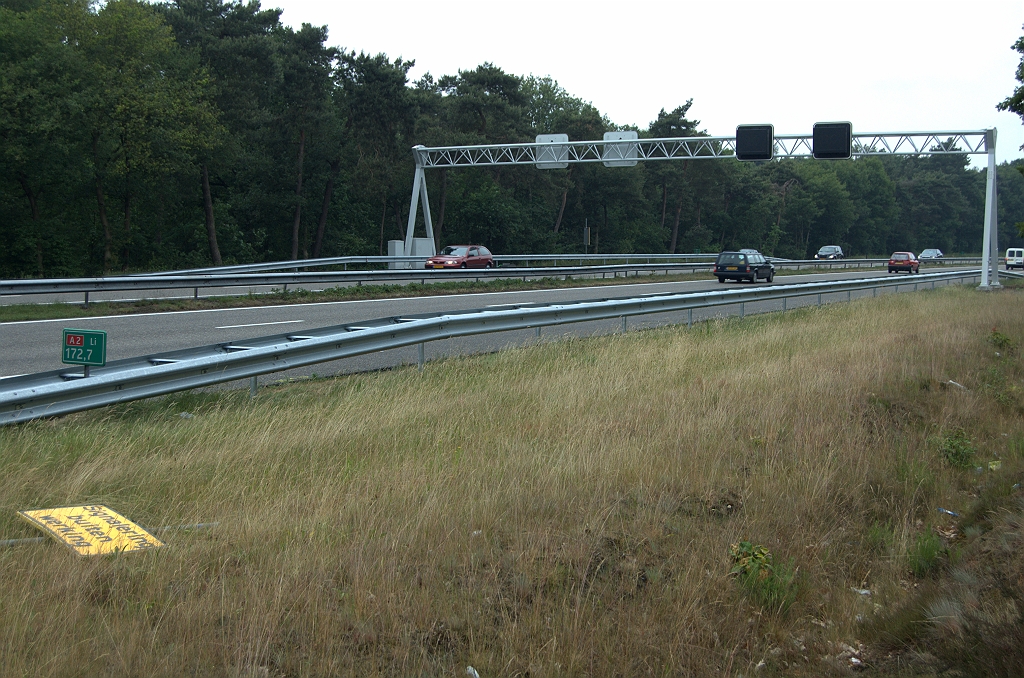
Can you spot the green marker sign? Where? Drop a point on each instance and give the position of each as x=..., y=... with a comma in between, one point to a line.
x=84, y=347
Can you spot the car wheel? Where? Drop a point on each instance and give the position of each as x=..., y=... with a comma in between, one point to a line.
x=490, y=264
x=464, y=265
x=721, y=280
x=771, y=276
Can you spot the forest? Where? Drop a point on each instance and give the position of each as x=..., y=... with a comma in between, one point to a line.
x=152, y=136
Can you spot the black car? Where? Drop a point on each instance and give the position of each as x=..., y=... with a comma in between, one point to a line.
x=830, y=252
x=743, y=266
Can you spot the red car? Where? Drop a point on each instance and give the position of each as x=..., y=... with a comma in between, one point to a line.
x=462, y=256
x=904, y=261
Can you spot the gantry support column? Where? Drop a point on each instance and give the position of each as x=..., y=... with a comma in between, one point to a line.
x=419, y=190
x=990, y=241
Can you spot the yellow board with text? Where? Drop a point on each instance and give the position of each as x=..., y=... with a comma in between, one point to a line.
x=91, y=530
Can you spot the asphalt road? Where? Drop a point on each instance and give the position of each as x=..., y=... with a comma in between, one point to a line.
x=35, y=346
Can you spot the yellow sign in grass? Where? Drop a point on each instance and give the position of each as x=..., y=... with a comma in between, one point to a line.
x=91, y=530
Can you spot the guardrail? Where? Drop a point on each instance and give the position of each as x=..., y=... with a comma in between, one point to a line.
x=64, y=391
x=250, y=280
x=503, y=258
x=418, y=261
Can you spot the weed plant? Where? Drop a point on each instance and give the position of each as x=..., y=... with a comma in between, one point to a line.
x=925, y=553
x=564, y=508
x=957, y=450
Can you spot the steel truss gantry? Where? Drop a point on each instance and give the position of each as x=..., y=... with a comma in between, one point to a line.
x=623, y=152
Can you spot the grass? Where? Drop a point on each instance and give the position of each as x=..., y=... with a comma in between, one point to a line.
x=561, y=509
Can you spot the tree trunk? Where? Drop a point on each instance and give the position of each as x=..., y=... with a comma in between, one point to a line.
x=383, y=218
x=778, y=220
x=34, y=205
x=107, y=236
x=298, y=197
x=664, y=204
x=328, y=192
x=211, y=226
x=127, y=228
x=440, y=217
x=675, y=229
x=561, y=210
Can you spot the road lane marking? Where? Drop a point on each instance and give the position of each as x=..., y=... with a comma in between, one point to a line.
x=279, y=322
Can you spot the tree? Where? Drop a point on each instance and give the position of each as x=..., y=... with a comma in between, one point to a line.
x=1015, y=102
x=672, y=175
x=40, y=96
x=382, y=116
x=147, y=107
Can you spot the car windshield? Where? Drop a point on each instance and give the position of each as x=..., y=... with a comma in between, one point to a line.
x=826, y=250
x=731, y=258
x=452, y=251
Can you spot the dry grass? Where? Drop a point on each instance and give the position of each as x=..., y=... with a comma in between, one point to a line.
x=565, y=509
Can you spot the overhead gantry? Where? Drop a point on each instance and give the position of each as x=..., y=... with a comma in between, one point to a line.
x=755, y=142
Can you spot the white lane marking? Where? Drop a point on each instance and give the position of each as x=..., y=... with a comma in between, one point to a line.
x=369, y=301
x=279, y=322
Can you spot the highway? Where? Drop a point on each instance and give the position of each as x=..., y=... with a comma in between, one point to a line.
x=34, y=346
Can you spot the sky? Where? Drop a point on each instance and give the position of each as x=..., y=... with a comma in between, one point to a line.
x=893, y=66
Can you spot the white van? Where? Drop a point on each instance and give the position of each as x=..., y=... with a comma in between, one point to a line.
x=1014, y=258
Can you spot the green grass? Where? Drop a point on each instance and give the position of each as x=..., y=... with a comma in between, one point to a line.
x=564, y=508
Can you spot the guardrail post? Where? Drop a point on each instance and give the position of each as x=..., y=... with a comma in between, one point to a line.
x=252, y=387
x=623, y=324
x=87, y=300
x=195, y=292
x=538, y=332
x=741, y=309
x=689, y=317
x=819, y=298
x=848, y=295
x=419, y=355
x=784, y=303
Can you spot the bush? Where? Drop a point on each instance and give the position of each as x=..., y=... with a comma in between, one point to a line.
x=1001, y=341
x=957, y=450
x=769, y=585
